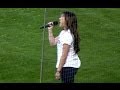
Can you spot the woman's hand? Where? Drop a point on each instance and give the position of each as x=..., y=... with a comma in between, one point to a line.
x=57, y=75
x=51, y=26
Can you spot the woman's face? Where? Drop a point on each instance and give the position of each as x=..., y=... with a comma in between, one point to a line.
x=62, y=21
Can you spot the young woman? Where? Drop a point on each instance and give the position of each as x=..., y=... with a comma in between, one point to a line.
x=67, y=43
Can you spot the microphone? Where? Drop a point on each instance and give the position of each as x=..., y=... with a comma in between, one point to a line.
x=48, y=25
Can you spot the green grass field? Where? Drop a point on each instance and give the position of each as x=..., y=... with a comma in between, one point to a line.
x=21, y=45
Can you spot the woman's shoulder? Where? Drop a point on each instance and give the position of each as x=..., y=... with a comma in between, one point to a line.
x=66, y=33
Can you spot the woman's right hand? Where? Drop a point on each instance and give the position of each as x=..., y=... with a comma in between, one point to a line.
x=51, y=26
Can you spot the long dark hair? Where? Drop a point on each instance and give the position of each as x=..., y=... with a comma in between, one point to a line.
x=71, y=22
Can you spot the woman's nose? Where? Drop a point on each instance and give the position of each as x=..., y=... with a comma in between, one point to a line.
x=59, y=18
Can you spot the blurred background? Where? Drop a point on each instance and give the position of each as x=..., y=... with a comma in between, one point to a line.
x=21, y=45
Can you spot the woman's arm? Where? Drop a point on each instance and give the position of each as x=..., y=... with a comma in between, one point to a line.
x=52, y=39
x=63, y=58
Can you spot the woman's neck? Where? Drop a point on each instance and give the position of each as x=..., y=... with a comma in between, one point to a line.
x=65, y=28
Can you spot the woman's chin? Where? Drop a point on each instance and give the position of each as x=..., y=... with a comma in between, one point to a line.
x=60, y=25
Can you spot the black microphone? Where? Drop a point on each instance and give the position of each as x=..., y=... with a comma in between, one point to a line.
x=48, y=25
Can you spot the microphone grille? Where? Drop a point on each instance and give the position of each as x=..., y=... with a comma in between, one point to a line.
x=55, y=23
